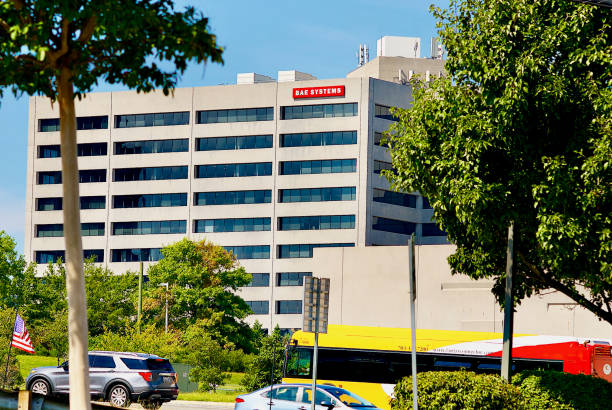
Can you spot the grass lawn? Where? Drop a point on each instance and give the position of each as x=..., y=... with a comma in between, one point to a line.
x=28, y=362
x=225, y=393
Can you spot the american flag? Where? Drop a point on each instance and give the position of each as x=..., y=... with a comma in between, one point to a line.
x=21, y=337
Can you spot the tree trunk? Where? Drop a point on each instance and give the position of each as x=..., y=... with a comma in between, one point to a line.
x=75, y=280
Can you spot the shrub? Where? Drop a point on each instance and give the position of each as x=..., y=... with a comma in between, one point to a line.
x=457, y=390
x=270, y=357
x=550, y=389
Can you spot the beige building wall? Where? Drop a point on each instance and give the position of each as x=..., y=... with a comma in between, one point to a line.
x=370, y=287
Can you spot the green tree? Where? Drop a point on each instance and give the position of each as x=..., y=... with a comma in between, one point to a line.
x=520, y=131
x=267, y=365
x=13, y=378
x=52, y=335
x=111, y=299
x=61, y=50
x=206, y=357
x=13, y=271
x=202, y=280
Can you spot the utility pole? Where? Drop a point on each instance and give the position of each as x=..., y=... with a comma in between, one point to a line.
x=140, y=275
x=506, y=364
x=412, y=272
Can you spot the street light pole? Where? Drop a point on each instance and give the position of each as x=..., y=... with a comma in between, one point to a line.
x=166, y=285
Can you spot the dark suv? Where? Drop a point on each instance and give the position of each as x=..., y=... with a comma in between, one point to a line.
x=118, y=377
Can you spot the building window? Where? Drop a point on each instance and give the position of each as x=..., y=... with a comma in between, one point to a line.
x=92, y=149
x=259, y=307
x=48, y=125
x=298, y=112
x=288, y=307
x=378, y=136
x=291, y=278
x=150, y=173
x=92, y=175
x=315, y=139
x=83, y=150
x=233, y=143
x=263, y=196
x=49, y=230
x=236, y=115
x=137, y=255
x=53, y=256
x=49, y=177
x=93, y=202
x=380, y=165
x=432, y=229
x=234, y=170
x=259, y=280
x=49, y=151
x=92, y=123
x=232, y=225
x=152, y=120
x=83, y=123
x=152, y=147
x=305, y=250
x=327, y=166
x=426, y=204
x=250, y=251
x=384, y=112
x=49, y=204
x=55, y=204
x=150, y=200
x=309, y=223
x=150, y=227
x=393, y=225
x=317, y=194
x=394, y=198
x=57, y=230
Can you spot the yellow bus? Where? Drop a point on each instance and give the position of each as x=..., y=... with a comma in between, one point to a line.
x=368, y=361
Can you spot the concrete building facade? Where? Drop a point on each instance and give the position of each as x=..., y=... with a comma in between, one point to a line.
x=268, y=169
x=370, y=287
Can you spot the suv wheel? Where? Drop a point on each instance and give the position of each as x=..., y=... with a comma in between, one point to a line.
x=119, y=396
x=40, y=386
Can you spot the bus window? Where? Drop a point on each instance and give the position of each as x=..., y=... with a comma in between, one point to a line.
x=298, y=363
x=447, y=364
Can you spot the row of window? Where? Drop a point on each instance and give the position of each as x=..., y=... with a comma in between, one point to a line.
x=318, y=222
x=330, y=166
x=85, y=176
x=57, y=230
x=283, y=307
x=205, y=144
x=262, y=280
x=155, y=254
x=394, y=198
x=233, y=170
x=217, y=116
x=232, y=225
x=263, y=196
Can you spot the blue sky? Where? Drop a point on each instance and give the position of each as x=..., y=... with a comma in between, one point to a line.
x=317, y=37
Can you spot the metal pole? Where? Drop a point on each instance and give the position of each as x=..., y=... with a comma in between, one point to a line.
x=8, y=355
x=315, y=356
x=140, y=275
x=506, y=364
x=413, y=321
x=166, y=307
x=272, y=370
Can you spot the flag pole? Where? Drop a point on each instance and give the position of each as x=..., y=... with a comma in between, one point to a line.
x=8, y=356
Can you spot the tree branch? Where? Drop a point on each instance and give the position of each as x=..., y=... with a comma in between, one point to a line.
x=63, y=49
x=566, y=290
x=88, y=29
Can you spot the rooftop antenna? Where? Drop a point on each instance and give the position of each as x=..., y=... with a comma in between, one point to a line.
x=363, y=55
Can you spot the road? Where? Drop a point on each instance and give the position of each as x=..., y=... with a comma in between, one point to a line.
x=189, y=405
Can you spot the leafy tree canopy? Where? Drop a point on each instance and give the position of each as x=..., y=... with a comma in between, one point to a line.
x=521, y=131
x=118, y=41
x=202, y=279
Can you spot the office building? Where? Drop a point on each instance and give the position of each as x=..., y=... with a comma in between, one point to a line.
x=269, y=169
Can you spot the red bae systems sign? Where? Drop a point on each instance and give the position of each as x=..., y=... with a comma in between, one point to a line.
x=318, y=92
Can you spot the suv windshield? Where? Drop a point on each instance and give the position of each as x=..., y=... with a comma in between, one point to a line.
x=148, y=364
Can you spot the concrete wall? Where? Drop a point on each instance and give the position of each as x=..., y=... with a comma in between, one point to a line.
x=369, y=287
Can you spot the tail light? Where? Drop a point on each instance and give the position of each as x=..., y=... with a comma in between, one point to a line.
x=146, y=375
x=239, y=400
